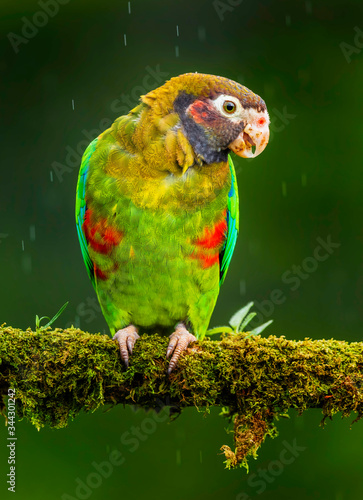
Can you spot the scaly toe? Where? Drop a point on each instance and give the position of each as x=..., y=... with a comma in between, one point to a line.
x=126, y=339
x=179, y=341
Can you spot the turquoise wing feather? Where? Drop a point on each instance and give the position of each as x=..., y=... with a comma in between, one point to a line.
x=81, y=208
x=232, y=225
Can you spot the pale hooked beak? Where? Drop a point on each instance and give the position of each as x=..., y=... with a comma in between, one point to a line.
x=253, y=139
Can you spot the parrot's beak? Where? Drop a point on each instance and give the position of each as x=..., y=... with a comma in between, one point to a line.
x=253, y=139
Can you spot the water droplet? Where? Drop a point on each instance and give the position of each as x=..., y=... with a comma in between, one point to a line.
x=177, y=30
x=22, y=245
x=129, y=7
x=242, y=287
x=176, y=51
x=73, y=104
x=200, y=456
x=125, y=40
x=32, y=233
x=51, y=176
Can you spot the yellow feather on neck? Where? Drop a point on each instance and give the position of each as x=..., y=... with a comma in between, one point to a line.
x=154, y=163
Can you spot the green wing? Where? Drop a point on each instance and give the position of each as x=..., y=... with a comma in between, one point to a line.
x=81, y=208
x=232, y=218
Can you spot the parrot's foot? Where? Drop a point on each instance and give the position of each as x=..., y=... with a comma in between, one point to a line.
x=179, y=341
x=126, y=339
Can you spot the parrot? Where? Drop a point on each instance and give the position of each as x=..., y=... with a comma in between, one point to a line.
x=157, y=211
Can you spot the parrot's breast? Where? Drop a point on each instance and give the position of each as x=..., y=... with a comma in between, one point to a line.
x=155, y=224
x=152, y=267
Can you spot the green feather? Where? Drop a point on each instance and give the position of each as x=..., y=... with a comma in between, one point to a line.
x=153, y=277
x=232, y=225
x=81, y=207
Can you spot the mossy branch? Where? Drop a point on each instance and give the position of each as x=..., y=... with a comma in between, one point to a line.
x=58, y=373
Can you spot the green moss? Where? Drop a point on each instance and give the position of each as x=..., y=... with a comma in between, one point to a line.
x=58, y=373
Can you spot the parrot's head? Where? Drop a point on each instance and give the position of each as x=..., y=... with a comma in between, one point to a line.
x=218, y=115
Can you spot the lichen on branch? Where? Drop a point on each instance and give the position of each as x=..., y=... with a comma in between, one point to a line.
x=58, y=373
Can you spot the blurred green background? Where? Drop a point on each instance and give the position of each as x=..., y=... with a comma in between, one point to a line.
x=306, y=60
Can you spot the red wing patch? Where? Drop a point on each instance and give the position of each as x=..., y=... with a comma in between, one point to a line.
x=103, y=275
x=100, y=275
x=101, y=236
x=206, y=261
x=211, y=239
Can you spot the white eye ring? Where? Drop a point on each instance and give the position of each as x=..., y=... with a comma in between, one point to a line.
x=220, y=103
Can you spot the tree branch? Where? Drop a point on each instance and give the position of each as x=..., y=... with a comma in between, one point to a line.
x=58, y=373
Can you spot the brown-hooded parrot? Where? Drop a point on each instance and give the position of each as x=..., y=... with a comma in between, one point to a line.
x=157, y=206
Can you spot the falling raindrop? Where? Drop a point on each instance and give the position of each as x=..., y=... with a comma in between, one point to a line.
x=73, y=104
x=125, y=40
x=288, y=20
x=22, y=245
x=176, y=51
x=32, y=233
x=201, y=33
x=51, y=176
x=129, y=7
x=200, y=456
x=177, y=30
x=178, y=457
x=284, y=191
x=303, y=180
x=242, y=287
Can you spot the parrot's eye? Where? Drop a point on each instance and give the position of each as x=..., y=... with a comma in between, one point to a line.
x=229, y=107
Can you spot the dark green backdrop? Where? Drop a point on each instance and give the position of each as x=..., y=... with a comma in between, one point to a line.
x=306, y=60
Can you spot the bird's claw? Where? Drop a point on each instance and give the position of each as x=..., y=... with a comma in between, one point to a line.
x=179, y=341
x=126, y=339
